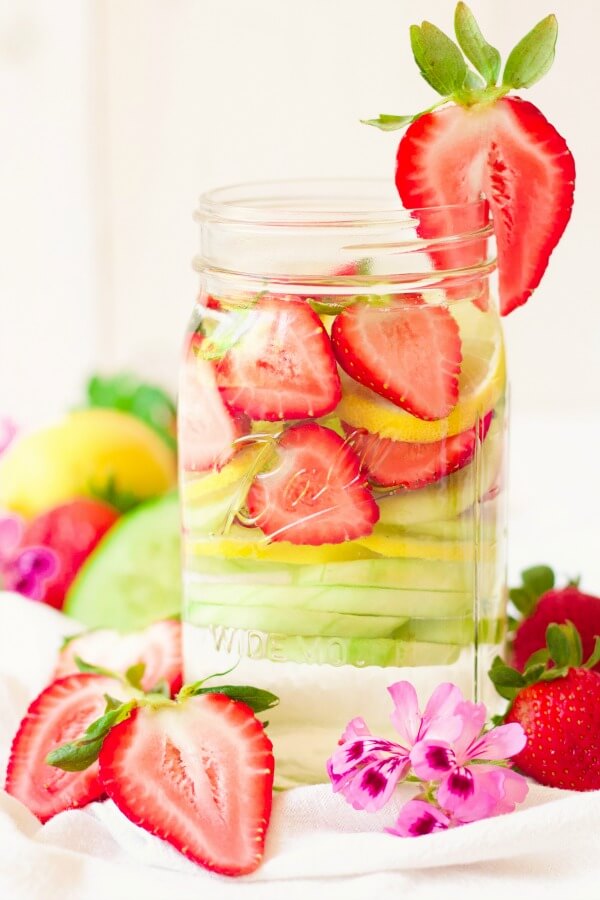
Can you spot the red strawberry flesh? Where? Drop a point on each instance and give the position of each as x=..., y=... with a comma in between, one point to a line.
x=511, y=153
x=282, y=367
x=59, y=714
x=316, y=493
x=198, y=775
x=408, y=352
x=391, y=463
x=158, y=647
x=568, y=604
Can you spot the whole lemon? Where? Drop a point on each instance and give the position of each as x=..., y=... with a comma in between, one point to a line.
x=91, y=452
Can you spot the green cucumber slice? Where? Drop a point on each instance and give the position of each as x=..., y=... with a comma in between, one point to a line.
x=292, y=621
x=133, y=576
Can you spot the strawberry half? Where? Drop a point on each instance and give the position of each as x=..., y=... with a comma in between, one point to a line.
x=316, y=493
x=207, y=431
x=282, y=366
x=408, y=352
x=508, y=151
x=158, y=647
x=199, y=775
x=391, y=463
x=60, y=713
x=485, y=144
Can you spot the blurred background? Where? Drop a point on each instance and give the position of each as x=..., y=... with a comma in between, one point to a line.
x=118, y=113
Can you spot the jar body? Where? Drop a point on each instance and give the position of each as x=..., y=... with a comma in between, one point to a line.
x=334, y=541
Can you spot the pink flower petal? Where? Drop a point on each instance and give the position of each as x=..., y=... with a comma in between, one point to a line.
x=473, y=716
x=510, y=787
x=371, y=787
x=11, y=532
x=356, y=728
x=417, y=817
x=356, y=752
x=499, y=743
x=432, y=759
x=405, y=718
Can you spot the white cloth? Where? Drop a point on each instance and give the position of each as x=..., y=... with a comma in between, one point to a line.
x=317, y=846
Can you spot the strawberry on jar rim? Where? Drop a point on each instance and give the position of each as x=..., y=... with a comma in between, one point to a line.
x=484, y=142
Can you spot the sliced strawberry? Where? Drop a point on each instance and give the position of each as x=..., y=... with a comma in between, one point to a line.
x=71, y=531
x=512, y=154
x=282, y=367
x=158, y=647
x=198, y=775
x=400, y=464
x=316, y=494
x=409, y=352
x=59, y=714
x=207, y=430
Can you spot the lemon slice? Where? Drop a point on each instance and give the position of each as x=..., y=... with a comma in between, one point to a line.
x=392, y=544
x=481, y=384
x=246, y=543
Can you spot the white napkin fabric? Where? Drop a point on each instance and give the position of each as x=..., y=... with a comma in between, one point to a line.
x=317, y=846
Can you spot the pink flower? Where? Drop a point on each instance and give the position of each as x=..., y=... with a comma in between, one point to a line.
x=366, y=769
x=23, y=570
x=470, y=792
x=418, y=817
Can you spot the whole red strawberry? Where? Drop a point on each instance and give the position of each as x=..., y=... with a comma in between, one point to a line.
x=561, y=719
x=557, y=703
x=566, y=605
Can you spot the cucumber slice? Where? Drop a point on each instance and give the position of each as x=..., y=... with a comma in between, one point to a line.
x=317, y=599
x=292, y=621
x=453, y=631
x=133, y=576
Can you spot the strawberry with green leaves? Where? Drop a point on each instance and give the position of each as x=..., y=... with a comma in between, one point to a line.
x=556, y=700
x=481, y=139
x=541, y=603
x=196, y=771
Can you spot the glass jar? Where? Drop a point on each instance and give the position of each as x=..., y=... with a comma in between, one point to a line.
x=342, y=421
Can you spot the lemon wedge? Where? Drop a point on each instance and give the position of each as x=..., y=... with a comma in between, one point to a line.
x=481, y=384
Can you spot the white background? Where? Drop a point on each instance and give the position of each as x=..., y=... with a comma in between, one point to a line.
x=116, y=114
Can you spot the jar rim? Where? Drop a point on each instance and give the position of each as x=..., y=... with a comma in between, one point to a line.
x=317, y=202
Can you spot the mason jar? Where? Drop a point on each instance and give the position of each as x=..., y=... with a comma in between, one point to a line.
x=342, y=423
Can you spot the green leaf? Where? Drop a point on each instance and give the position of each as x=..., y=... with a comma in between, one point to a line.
x=595, y=657
x=473, y=81
x=92, y=669
x=482, y=55
x=223, y=334
x=257, y=699
x=75, y=756
x=112, y=494
x=161, y=687
x=533, y=55
x=134, y=675
x=564, y=644
x=440, y=61
x=389, y=123
x=538, y=579
x=522, y=600
x=537, y=658
x=147, y=402
x=507, y=681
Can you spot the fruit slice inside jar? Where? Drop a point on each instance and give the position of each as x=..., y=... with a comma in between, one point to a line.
x=481, y=384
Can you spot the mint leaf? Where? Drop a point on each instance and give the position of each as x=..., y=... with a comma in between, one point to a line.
x=439, y=60
x=127, y=393
x=533, y=55
x=257, y=699
x=222, y=335
x=389, y=123
x=482, y=55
